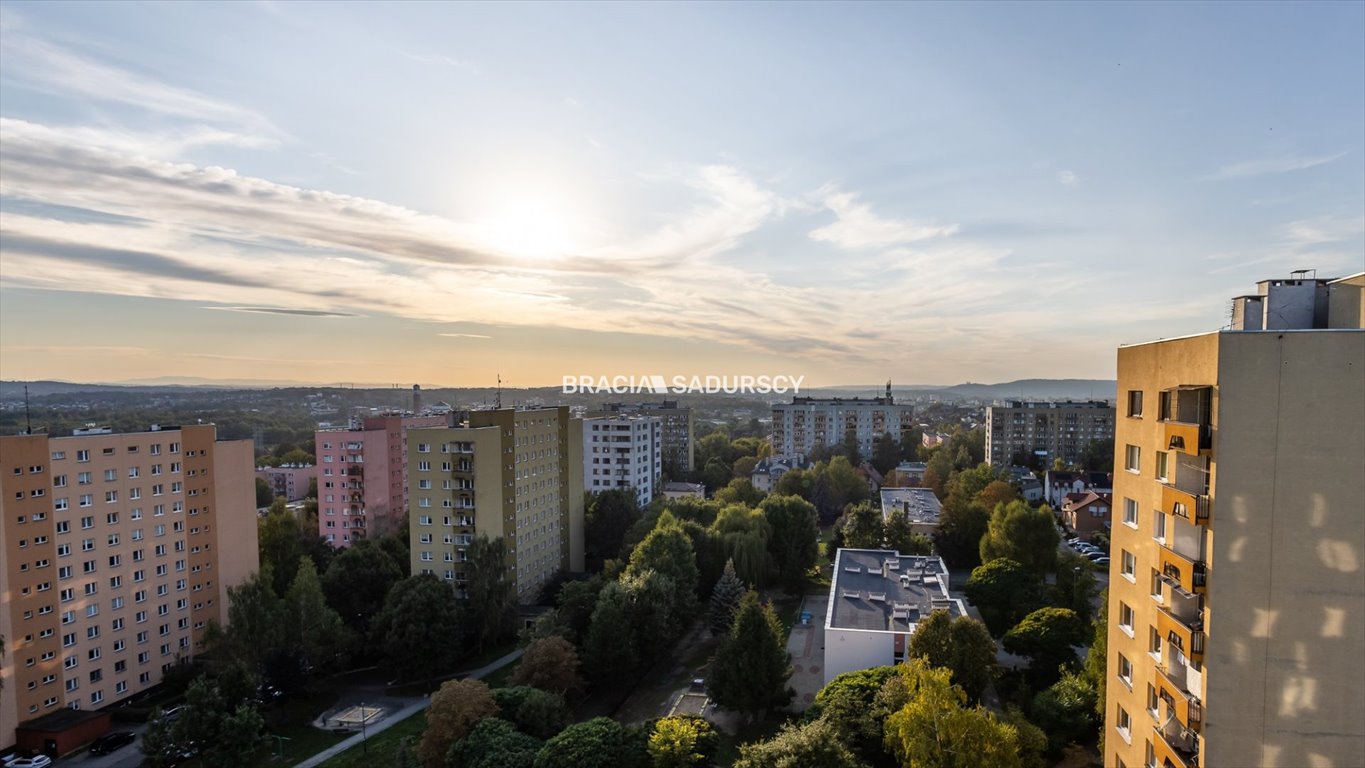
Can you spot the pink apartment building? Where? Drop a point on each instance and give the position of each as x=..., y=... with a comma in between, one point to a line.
x=362, y=477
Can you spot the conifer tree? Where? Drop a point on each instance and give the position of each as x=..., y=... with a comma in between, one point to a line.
x=725, y=598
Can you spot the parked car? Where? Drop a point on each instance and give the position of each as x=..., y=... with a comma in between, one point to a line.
x=1103, y=561
x=37, y=761
x=111, y=741
x=1097, y=556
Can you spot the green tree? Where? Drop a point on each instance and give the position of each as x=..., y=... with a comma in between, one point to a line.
x=814, y=744
x=1098, y=456
x=937, y=472
x=575, y=604
x=997, y=492
x=539, y=713
x=970, y=483
x=312, y=626
x=742, y=534
x=1097, y=659
x=886, y=454
x=795, y=482
x=655, y=618
x=725, y=598
x=255, y=619
x=596, y=743
x=280, y=540
x=861, y=525
x=550, y=664
x=492, y=597
x=265, y=495
x=357, y=581
x=740, y=491
x=837, y=484
x=1033, y=741
x=1047, y=636
x=935, y=728
x=494, y=743
x=794, y=542
x=1004, y=592
x=667, y=550
x=899, y=534
x=419, y=629
x=609, y=652
x=605, y=521
x=1075, y=587
x=1066, y=711
x=226, y=736
x=456, y=707
x=750, y=671
x=958, y=535
x=849, y=704
x=684, y=741
x=961, y=645
x=744, y=466
x=1023, y=534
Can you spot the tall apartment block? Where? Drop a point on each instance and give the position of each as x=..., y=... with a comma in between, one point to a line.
x=1046, y=430
x=678, y=440
x=118, y=552
x=808, y=423
x=623, y=452
x=514, y=474
x=1237, y=589
x=363, y=476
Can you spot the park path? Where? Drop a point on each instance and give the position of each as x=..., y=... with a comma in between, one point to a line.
x=401, y=714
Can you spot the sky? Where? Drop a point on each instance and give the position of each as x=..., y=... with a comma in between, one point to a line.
x=445, y=193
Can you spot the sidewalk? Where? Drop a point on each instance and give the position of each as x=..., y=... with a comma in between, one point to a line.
x=400, y=715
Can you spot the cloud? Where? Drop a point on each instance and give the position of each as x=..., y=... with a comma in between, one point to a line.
x=285, y=311
x=1250, y=168
x=857, y=227
x=464, y=335
x=1068, y=178
x=41, y=65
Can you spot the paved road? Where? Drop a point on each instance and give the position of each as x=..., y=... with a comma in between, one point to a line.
x=806, y=647
x=400, y=715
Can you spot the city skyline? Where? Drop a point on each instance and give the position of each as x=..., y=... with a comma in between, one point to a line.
x=935, y=193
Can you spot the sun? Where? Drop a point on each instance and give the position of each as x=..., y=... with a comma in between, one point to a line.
x=530, y=223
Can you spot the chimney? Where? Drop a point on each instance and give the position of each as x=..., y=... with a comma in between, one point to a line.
x=416, y=399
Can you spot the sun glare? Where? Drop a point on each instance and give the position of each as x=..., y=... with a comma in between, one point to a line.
x=528, y=223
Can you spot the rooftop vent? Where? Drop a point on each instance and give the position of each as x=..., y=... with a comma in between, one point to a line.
x=877, y=597
x=853, y=569
x=853, y=593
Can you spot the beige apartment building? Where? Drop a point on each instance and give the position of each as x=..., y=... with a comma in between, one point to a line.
x=1237, y=584
x=514, y=474
x=118, y=552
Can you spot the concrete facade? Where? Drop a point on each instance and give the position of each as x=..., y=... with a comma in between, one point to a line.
x=119, y=549
x=511, y=474
x=1237, y=594
x=807, y=423
x=362, y=476
x=678, y=438
x=289, y=480
x=623, y=452
x=1048, y=430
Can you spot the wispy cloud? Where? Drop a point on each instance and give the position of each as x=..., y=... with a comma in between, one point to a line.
x=285, y=311
x=464, y=335
x=1068, y=178
x=1284, y=164
x=857, y=227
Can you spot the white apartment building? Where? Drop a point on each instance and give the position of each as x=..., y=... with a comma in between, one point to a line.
x=808, y=423
x=623, y=451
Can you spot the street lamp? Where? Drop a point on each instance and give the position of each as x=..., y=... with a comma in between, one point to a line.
x=364, y=739
x=1075, y=583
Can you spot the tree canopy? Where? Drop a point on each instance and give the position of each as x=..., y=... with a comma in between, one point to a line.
x=962, y=645
x=936, y=729
x=750, y=670
x=1004, y=592
x=456, y=707
x=419, y=628
x=1023, y=534
x=794, y=541
x=810, y=745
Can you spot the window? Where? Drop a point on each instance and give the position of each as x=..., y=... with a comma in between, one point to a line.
x=1126, y=619
x=1130, y=513
x=1124, y=725
x=1129, y=566
x=1126, y=671
x=1135, y=403
x=1152, y=707
x=1159, y=526
x=1163, y=466
x=1132, y=458
x=1154, y=642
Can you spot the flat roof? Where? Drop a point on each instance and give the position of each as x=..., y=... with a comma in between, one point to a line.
x=885, y=591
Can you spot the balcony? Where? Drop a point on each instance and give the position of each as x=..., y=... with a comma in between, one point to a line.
x=1173, y=682
x=1176, y=747
x=1182, y=632
x=1186, y=437
x=1185, y=572
x=1195, y=507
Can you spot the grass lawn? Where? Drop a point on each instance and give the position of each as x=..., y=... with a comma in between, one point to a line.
x=381, y=748
x=300, y=742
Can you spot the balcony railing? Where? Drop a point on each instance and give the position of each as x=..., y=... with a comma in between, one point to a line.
x=1195, y=507
x=1174, y=692
x=1187, y=634
x=1189, y=574
x=1175, y=749
x=1187, y=437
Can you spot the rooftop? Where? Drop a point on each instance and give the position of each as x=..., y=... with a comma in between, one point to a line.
x=920, y=505
x=885, y=591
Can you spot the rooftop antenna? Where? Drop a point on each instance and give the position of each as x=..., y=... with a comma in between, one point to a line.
x=498, y=401
x=28, y=415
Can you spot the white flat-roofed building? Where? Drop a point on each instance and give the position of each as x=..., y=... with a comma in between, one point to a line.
x=919, y=505
x=808, y=423
x=623, y=451
x=876, y=599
